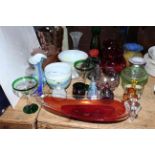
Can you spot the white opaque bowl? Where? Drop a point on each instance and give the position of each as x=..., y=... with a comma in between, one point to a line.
x=58, y=74
x=71, y=56
x=151, y=52
x=150, y=70
x=148, y=59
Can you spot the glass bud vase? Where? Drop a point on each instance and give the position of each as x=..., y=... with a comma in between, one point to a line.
x=76, y=36
x=37, y=61
x=95, y=39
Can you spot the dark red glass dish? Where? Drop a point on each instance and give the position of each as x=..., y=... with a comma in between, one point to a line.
x=87, y=110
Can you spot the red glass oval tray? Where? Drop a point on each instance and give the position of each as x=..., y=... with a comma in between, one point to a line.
x=87, y=110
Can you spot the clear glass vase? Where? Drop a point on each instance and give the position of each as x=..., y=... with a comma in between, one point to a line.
x=76, y=36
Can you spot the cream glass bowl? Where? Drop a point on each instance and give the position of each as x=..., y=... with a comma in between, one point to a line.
x=58, y=74
x=70, y=57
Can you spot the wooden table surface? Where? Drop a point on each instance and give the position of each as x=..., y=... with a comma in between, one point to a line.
x=146, y=118
x=15, y=118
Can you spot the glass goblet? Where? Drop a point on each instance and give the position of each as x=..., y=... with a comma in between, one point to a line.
x=26, y=86
x=84, y=66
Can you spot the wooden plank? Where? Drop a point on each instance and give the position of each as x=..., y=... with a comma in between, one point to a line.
x=16, y=118
x=145, y=119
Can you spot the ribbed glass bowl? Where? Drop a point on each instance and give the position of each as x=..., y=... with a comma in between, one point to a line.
x=135, y=72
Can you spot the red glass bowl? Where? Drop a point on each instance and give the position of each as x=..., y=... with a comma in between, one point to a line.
x=106, y=111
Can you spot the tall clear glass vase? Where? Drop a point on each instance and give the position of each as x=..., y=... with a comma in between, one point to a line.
x=76, y=36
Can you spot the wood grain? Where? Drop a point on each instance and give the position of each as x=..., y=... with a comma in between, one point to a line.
x=17, y=119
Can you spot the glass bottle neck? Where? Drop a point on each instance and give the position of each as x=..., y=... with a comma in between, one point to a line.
x=95, y=42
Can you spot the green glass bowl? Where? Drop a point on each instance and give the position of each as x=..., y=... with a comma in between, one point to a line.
x=84, y=65
x=135, y=72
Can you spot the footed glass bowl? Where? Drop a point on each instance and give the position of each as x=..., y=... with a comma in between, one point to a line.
x=70, y=57
x=26, y=86
x=58, y=74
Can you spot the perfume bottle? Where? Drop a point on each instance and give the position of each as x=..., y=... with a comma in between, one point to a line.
x=106, y=92
x=130, y=99
x=93, y=93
